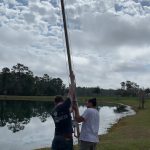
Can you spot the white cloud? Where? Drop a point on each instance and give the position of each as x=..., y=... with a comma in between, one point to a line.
x=13, y=37
x=109, y=39
x=10, y=1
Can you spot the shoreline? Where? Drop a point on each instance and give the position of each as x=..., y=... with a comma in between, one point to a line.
x=130, y=133
x=131, y=112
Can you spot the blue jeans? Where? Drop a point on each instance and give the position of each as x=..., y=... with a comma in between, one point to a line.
x=60, y=143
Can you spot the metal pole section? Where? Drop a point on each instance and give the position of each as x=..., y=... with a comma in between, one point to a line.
x=66, y=37
x=72, y=79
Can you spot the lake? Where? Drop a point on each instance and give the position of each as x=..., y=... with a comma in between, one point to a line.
x=26, y=125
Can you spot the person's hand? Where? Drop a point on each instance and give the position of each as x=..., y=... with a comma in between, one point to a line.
x=71, y=90
x=71, y=93
x=74, y=106
x=72, y=76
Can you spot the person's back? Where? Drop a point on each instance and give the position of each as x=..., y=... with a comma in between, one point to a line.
x=62, y=118
x=63, y=125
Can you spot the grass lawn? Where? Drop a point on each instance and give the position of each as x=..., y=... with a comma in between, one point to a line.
x=131, y=133
x=27, y=98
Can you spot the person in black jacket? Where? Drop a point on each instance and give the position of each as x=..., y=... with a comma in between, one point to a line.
x=63, y=124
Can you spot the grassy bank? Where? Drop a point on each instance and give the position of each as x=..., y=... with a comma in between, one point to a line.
x=131, y=133
x=27, y=98
x=108, y=99
x=104, y=99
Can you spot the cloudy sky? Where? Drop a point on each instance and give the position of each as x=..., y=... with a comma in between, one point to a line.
x=109, y=39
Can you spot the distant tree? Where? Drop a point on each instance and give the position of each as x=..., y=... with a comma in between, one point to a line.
x=128, y=85
x=5, y=80
x=5, y=70
x=123, y=85
x=147, y=91
x=21, y=81
x=38, y=86
x=96, y=90
x=121, y=92
x=46, y=78
x=129, y=88
x=56, y=86
x=21, y=69
x=141, y=98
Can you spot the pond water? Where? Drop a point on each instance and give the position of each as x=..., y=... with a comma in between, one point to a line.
x=28, y=125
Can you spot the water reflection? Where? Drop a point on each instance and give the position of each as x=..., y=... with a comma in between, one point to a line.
x=28, y=125
x=17, y=114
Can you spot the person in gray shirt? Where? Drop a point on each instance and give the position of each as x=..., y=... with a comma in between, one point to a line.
x=90, y=126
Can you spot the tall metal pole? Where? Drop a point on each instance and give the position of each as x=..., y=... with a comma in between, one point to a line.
x=72, y=77
x=66, y=37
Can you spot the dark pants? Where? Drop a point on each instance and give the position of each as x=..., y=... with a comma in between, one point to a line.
x=61, y=143
x=87, y=145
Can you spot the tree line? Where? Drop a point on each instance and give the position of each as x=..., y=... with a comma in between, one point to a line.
x=19, y=80
x=129, y=88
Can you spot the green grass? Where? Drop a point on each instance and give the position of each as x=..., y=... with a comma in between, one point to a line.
x=130, y=133
x=27, y=98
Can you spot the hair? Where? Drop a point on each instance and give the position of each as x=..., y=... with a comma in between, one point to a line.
x=93, y=101
x=58, y=99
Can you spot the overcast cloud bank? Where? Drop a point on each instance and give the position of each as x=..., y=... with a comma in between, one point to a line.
x=109, y=39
